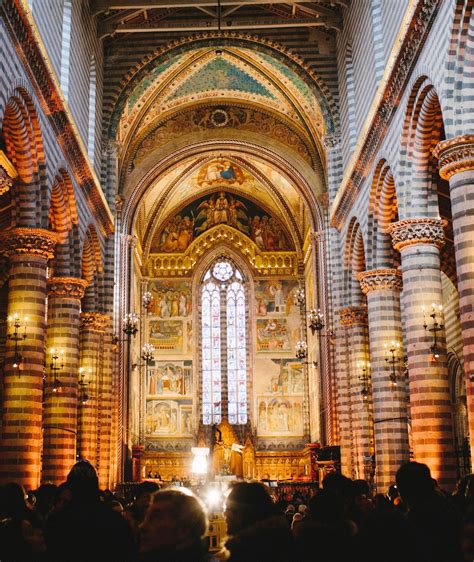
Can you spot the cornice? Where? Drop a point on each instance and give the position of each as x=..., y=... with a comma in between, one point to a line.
x=377, y=124
x=31, y=50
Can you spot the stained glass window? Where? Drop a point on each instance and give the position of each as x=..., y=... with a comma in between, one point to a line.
x=223, y=323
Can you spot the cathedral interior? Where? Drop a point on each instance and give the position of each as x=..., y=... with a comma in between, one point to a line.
x=240, y=230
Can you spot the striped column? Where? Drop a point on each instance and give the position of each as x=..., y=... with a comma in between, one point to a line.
x=456, y=160
x=343, y=399
x=419, y=241
x=60, y=406
x=354, y=319
x=92, y=326
x=107, y=401
x=382, y=287
x=20, y=437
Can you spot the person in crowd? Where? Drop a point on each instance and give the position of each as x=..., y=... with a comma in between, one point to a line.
x=173, y=528
x=86, y=528
x=135, y=511
x=434, y=521
x=257, y=532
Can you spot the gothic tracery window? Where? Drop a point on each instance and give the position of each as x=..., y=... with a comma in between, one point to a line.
x=224, y=345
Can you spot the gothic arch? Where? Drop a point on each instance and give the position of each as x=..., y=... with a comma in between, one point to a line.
x=354, y=262
x=92, y=272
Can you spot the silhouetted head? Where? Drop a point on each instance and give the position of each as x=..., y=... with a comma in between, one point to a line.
x=174, y=519
x=12, y=500
x=247, y=503
x=414, y=482
x=83, y=481
x=327, y=508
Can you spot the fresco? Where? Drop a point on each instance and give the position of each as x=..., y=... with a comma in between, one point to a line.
x=167, y=335
x=279, y=386
x=220, y=208
x=168, y=417
x=170, y=378
x=273, y=335
x=274, y=297
x=170, y=299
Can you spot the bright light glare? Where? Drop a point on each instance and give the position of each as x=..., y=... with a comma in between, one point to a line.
x=214, y=497
x=199, y=465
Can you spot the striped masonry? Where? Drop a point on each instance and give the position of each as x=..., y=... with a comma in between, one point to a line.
x=60, y=403
x=107, y=404
x=456, y=158
x=382, y=287
x=20, y=437
x=419, y=242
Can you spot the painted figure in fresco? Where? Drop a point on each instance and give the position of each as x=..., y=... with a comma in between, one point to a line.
x=221, y=212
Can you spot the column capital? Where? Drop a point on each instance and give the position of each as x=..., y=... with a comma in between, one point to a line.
x=66, y=287
x=7, y=173
x=379, y=279
x=95, y=321
x=408, y=232
x=353, y=316
x=455, y=155
x=29, y=242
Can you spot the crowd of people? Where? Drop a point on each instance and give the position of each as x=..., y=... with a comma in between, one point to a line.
x=414, y=522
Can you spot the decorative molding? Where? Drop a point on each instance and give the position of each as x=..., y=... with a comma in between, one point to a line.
x=7, y=173
x=94, y=321
x=28, y=241
x=66, y=287
x=332, y=141
x=387, y=105
x=455, y=155
x=417, y=231
x=380, y=279
x=30, y=49
x=353, y=316
x=264, y=263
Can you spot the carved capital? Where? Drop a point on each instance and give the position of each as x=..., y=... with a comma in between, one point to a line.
x=417, y=231
x=7, y=173
x=66, y=287
x=353, y=316
x=28, y=242
x=379, y=279
x=455, y=155
x=94, y=321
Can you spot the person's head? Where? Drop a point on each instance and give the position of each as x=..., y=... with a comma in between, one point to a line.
x=83, y=481
x=12, y=500
x=247, y=503
x=174, y=518
x=414, y=482
x=327, y=507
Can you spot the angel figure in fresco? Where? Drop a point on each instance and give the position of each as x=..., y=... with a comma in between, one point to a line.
x=221, y=211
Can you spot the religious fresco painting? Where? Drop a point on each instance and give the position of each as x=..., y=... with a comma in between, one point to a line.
x=167, y=335
x=170, y=299
x=167, y=378
x=221, y=208
x=168, y=417
x=275, y=296
x=273, y=335
x=279, y=387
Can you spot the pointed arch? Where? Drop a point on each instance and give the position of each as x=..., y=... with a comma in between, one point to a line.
x=354, y=262
x=92, y=271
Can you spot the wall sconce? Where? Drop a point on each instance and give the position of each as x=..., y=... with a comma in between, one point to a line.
x=84, y=384
x=301, y=350
x=130, y=324
x=437, y=326
x=314, y=317
x=147, y=300
x=393, y=360
x=15, y=324
x=148, y=353
x=364, y=379
x=299, y=298
x=315, y=320
x=56, y=365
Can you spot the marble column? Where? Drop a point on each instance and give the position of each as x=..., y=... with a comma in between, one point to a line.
x=389, y=397
x=456, y=161
x=354, y=319
x=60, y=404
x=29, y=250
x=419, y=240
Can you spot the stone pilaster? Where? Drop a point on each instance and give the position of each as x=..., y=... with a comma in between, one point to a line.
x=95, y=419
x=456, y=161
x=419, y=241
x=390, y=401
x=60, y=405
x=354, y=320
x=20, y=438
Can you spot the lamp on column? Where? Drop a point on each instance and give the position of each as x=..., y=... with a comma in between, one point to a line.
x=56, y=365
x=364, y=378
x=147, y=300
x=313, y=317
x=393, y=359
x=301, y=350
x=84, y=384
x=148, y=354
x=130, y=324
x=436, y=326
x=17, y=335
